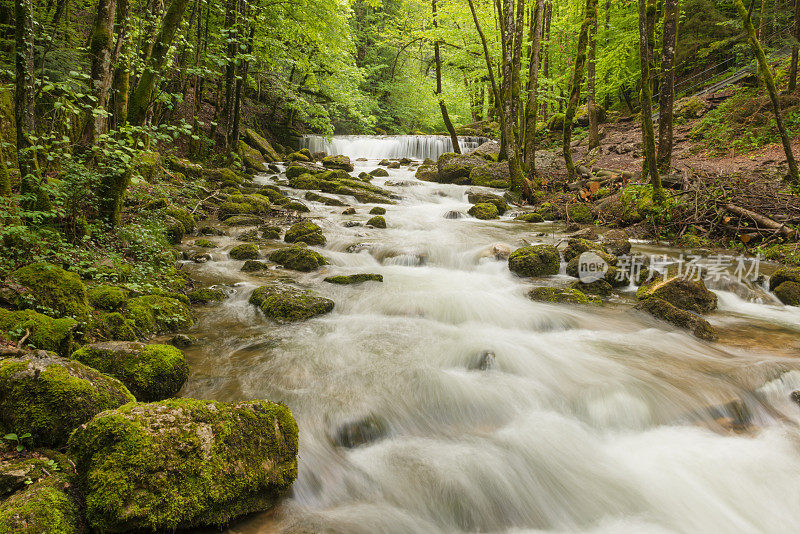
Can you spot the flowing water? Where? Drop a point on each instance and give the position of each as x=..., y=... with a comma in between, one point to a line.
x=590, y=420
x=389, y=146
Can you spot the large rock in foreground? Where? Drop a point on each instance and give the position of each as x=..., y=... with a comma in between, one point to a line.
x=48, y=396
x=286, y=304
x=183, y=463
x=539, y=260
x=456, y=168
x=50, y=290
x=681, y=292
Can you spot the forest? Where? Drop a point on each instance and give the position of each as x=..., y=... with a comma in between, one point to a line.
x=399, y=266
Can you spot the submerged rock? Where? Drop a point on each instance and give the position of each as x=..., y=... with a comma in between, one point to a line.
x=305, y=232
x=298, y=258
x=183, y=463
x=562, y=295
x=286, y=304
x=454, y=214
x=484, y=361
x=361, y=432
x=538, y=260
x=150, y=372
x=349, y=211
x=354, y=279
x=377, y=222
x=48, y=396
x=247, y=251
x=681, y=292
x=665, y=311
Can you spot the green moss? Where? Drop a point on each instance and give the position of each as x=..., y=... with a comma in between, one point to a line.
x=598, y=287
x=184, y=463
x=298, y=258
x=681, y=292
x=274, y=196
x=46, y=333
x=377, y=211
x=285, y=304
x=243, y=220
x=150, y=372
x=377, y=221
x=247, y=251
x=114, y=326
x=205, y=243
x=107, y=297
x=538, y=260
x=183, y=215
x=296, y=206
x=152, y=314
x=665, y=311
x=484, y=211
x=380, y=173
x=50, y=396
x=206, y=295
x=299, y=156
x=562, y=295
x=789, y=293
x=549, y=211
x=786, y=274
x=354, y=279
x=254, y=204
x=694, y=241
x=488, y=198
x=305, y=181
x=52, y=290
x=253, y=160
x=529, y=218
x=175, y=230
x=148, y=166
x=305, y=232
x=577, y=246
x=328, y=201
x=338, y=162
x=580, y=213
x=253, y=266
x=495, y=175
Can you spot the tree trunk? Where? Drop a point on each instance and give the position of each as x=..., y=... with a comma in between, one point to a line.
x=494, y=95
x=607, y=31
x=548, y=16
x=795, y=48
x=513, y=22
x=121, y=84
x=532, y=107
x=442, y=106
x=575, y=91
x=100, y=52
x=230, y=68
x=33, y=197
x=142, y=95
x=648, y=135
x=769, y=81
x=241, y=82
x=667, y=98
x=594, y=134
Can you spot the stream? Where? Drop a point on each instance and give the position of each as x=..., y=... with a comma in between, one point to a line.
x=592, y=419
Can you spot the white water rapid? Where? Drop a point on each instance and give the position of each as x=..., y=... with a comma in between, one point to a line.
x=591, y=420
x=389, y=146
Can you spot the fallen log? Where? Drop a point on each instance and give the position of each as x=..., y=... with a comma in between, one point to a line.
x=766, y=222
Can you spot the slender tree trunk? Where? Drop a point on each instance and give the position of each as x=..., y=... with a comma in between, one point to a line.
x=769, y=81
x=648, y=135
x=143, y=94
x=231, y=8
x=494, y=96
x=667, y=98
x=121, y=84
x=439, y=96
x=5, y=177
x=513, y=22
x=33, y=197
x=548, y=16
x=241, y=83
x=607, y=32
x=577, y=79
x=795, y=47
x=100, y=51
x=594, y=134
x=532, y=107
x=762, y=22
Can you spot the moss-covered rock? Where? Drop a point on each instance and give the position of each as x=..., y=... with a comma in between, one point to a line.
x=456, y=168
x=328, y=201
x=186, y=167
x=538, y=260
x=496, y=175
x=113, y=326
x=300, y=156
x=349, y=211
x=150, y=372
x=253, y=204
x=285, y=304
x=529, y=218
x=248, y=251
x=254, y=266
x=298, y=258
x=205, y=243
x=51, y=290
x=788, y=293
x=271, y=232
x=598, y=287
x=153, y=314
x=183, y=215
x=262, y=145
x=243, y=220
x=426, y=173
x=206, y=295
x=562, y=295
x=477, y=197
x=184, y=463
x=684, y=293
x=105, y=297
x=354, y=279
x=175, y=230
x=338, y=162
x=786, y=274
x=377, y=221
x=147, y=164
x=224, y=176
x=297, y=206
x=549, y=211
x=48, y=396
x=42, y=332
x=484, y=211
x=665, y=311
x=580, y=213
x=612, y=275
x=298, y=169
x=577, y=246
x=306, y=232
x=377, y=210
x=253, y=160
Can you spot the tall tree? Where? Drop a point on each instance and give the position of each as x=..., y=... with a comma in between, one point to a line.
x=667, y=97
x=100, y=51
x=120, y=87
x=769, y=82
x=648, y=135
x=589, y=19
x=795, y=47
x=591, y=88
x=439, y=96
x=512, y=24
x=532, y=107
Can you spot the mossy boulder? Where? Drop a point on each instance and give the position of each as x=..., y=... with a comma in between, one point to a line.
x=243, y=220
x=562, y=295
x=477, y=197
x=51, y=290
x=147, y=164
x=328, y=201
x=254, y=266
x=262, y=145
x=612, y=275
x=248, y=251
x=300, y=156
x=183, y=463
x=549, y=211
x=298, y=258
x=495, y=175
x=113, y=326
x=224, y=176
x=48, y=396
x=537, y=260
x=456, y=168
x=337, y=162
x=381, y=173
x=252, y=204
x=377, y=221
x=665, y=311
x=205, y=243
x=43, y=332
x=682, y=292
x=299, y=168
x=786, y=274
x=354, y=279
x=186, y=167
x=150, y=372
x=174, y=229
x=598, y=287
x=788, y=293
x=183, y=215
x=529, y=218
x=577, y=246
x=284, y=304
x=426, y=173
x=105, y=297
x=484, y=211
x=206, y=294
x=580, y=213
x=297, y=206
x=154, y=314
x=306, y=232
x=377, y=210
x=253, y=160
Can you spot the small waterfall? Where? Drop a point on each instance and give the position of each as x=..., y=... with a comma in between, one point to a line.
x=389, y=146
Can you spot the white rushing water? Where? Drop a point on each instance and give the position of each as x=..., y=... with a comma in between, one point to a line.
x=388, y=146
x=591, y=419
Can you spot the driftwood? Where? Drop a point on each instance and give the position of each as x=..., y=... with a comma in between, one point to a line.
x=761, y=220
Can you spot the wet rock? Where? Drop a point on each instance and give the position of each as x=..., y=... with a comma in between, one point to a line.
x=484, y=211
x=361, y=432
x=349, y=211
x=297, y=206
x=338, y=162
x=48, y=396
x=562, y=295
x=150, y=372
x=589, y=233
x=786, y=274
x=492, y=174
x=305, y=232
x=377, y=210
x=394, y=165
x=498, y=251
x=477, y=197
x=298, y=258
x=484, y=361
x=270, y=232
x=183, y=463
x=299, y=168
x=489, y=150
x=243, y=220
x=328, y=201
x=354, y=279
x=182, y=341
x=209, y=230
x=577, y=246
x=599, y=287
x=249, y=236
x=384, y=163
x=253, y=266
x=456, y=168
x=427, y=173
x=377, y=222
x=358, y=247
x=405, y=161
x=284, y=304
x=352, y=224
x=202, y=258
x=665, y=311
x=618, y=247
x=453, y=214
x=206, y=295
x=381, y=173
x=612, y=275
x=247, y=251
x=538, y=260
x=529, y=218
x=788, y=293
x=204, y=243
x=681, y=292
